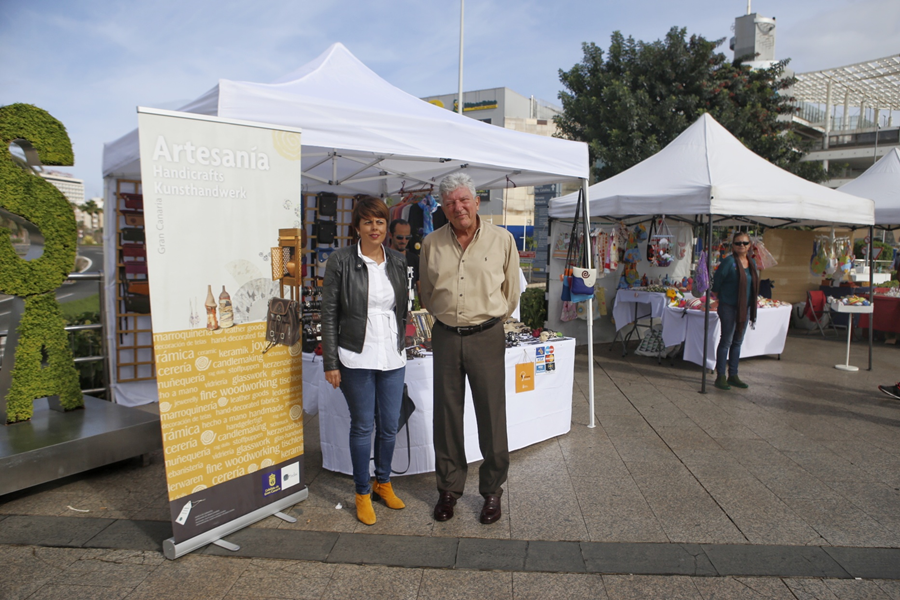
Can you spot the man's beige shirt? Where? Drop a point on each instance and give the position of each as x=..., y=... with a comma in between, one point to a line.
x=462, y=288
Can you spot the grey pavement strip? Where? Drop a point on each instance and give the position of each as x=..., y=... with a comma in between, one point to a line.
x=474, y=554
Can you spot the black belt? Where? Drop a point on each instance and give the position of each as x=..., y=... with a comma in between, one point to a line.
x=471, y=328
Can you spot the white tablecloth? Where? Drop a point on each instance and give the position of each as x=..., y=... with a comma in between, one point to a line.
x=652, y=306
x=687, y=326
x=531, y=417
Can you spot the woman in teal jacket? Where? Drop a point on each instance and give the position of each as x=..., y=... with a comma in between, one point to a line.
x=736, y=284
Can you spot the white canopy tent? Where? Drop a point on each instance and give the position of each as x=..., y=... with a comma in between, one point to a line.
x=707, y=171
x=881, y=183
x=360, y=134
x=363, y=135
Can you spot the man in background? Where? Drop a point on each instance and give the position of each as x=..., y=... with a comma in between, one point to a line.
x=401, y=233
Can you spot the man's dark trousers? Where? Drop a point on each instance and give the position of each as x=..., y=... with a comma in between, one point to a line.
x=481, y=357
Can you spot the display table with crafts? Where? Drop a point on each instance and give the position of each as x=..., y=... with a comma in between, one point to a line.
x=686, y=326
x=630, y=307
x=532, y=416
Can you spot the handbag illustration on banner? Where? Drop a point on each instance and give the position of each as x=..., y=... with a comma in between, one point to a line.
x=282, y=323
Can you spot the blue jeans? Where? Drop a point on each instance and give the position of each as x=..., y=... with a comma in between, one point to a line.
x=729, y=350
x=374, y=399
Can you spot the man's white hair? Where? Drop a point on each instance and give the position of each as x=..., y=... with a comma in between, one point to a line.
x=455, y=181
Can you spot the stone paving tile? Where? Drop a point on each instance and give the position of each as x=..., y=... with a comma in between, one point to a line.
x=132, y=535
x=625, y=525
x=275, y=543
x=56, y=591
x=645, y=449
x=465, y=585
x=879, y=501
x=640, y=587
x=617, y=426
x=693, y=437
x=842, y=524
x=394, y=550
x=759, y=514
x=485, y=555
x=713, y=463
x=50, y=531
x=26, y=568
x=868, y=562
x=190, y=577
x=740, y=588
x=834, y=589
x=358, y=581
x=572, y=586
x=283, y=579
x=829, y=467
x=665, y=559
x=779, y=561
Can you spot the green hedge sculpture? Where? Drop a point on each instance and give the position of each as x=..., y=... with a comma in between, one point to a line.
x=41, y=330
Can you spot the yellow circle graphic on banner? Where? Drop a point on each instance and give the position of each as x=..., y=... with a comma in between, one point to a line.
x=223, y=402
x=267, y=462
x=252, y=468
x=199, y=488
x=208, y=437
x=296, y=412
x=287, y=144
x=164, y=407
x=202, y=363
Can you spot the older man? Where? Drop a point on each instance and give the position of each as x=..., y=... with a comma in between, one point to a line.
x=469, y=281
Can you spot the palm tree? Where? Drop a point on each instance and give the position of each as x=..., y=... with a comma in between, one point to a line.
x=90, y=208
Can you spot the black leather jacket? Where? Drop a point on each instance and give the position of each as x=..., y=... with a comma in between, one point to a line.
x=345, y=300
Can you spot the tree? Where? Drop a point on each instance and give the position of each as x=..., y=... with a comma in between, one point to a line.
x=643, y=95
x=91, y=209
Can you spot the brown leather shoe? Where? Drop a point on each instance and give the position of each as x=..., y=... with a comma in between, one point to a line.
x=491, y=510
x=443, y=510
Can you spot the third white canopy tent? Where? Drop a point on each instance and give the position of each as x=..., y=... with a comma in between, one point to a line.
x=706, y=171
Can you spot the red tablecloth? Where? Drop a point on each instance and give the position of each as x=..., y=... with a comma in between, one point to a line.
x=886, y=315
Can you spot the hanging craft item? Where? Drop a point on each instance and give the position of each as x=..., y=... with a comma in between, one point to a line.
x=632, y=253
x=819, y=263
x=621, y=235
x=577, y=276
x=701, y=279
x=658, y=246
x=569, y=311
x=761, y=255
x=683, y=243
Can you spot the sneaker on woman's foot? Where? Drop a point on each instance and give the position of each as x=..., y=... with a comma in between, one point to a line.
x=735, y=381
x=891, y=390
x=722, y=383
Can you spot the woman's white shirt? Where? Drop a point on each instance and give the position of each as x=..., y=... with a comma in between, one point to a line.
x=379, y=351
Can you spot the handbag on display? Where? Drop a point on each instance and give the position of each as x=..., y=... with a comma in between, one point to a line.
x=326, y=204
x=576, y=276
x=325, y=232
x=283, y=323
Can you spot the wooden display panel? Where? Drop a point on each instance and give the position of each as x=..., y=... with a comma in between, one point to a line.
x=134, y=336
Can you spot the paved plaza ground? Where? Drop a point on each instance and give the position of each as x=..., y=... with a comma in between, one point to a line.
x=790, y=489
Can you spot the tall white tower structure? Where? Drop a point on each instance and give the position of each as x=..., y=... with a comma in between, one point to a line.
x=754, y=39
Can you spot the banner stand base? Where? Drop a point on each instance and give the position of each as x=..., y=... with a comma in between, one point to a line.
x=171, y=550
x=227, y=545
x=284, y=517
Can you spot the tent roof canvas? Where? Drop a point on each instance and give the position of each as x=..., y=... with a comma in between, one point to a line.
x=361, y=134
x=706, y=170
x=881, y=183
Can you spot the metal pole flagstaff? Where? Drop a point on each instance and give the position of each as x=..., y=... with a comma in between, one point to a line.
x=462, y=12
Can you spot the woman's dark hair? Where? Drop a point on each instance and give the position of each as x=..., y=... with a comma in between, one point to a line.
x=738, y=234
x=368, y=207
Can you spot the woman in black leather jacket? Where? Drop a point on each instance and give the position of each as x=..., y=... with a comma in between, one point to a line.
x=364, y=305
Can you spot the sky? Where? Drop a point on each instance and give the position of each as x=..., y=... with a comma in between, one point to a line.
x=90, y=63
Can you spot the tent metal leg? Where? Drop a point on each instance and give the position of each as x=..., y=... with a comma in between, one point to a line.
x=871, y=291
x=706, y=308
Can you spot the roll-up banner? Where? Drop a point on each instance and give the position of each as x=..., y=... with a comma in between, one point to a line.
x=216, y=192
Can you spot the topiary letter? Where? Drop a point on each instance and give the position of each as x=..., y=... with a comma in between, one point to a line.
x=41, y=329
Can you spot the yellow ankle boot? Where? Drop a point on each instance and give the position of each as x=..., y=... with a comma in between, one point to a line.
x=364, y=510
x=386, y=493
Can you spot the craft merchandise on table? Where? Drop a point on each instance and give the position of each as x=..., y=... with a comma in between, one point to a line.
x=542, y=410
